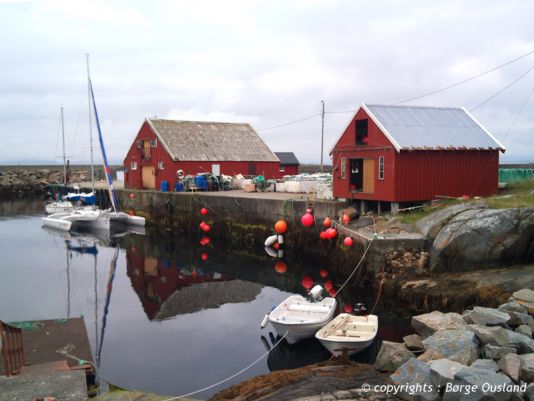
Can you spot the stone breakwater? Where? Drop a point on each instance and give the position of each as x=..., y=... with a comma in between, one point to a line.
x=483, y=354
x=32, y=183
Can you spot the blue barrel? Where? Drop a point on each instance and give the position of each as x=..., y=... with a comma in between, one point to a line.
x=201, y=183
x=164, y=186
x=179, y=187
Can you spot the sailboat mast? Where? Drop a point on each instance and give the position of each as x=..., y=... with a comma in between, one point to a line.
x=63, y=142
x=90, y=122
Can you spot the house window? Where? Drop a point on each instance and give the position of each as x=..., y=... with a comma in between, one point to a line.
x=153, y=143
x=361, y=132
x=139, y=143
x=282, y=168
x=343, y=168
x=161, y=165
x=381, y=167
x=133, y=166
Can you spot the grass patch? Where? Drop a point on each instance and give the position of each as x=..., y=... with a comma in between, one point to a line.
x=416, y=215
x=518, y=195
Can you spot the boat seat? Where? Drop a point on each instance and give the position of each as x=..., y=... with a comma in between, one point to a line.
x=361, y=327
x=308, y=308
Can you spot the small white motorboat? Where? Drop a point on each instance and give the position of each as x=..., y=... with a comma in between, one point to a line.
x=300, y=317
x=348, y=333
x=58, y=207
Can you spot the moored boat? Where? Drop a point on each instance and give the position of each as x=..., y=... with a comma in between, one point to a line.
x=348, y=333
x=298, y=318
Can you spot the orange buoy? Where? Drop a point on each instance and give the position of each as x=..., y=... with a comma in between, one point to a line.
x=345, y=219
x=204, y=256
x=323, y=273
x=276, y=246
x=280, y=227
x=203, y=211
x=307, y=220
x=348, y=241
x=132, y=195
x=280, y=267
x=347, y=308
x=327, y=222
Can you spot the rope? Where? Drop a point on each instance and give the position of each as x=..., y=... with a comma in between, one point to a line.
x=379, y=291
x=231, y=377
x=357, y=266
x=65, y=351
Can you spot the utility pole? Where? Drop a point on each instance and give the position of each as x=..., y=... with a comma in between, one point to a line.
x=322, y=135
x=90, y=122
x=64, y=156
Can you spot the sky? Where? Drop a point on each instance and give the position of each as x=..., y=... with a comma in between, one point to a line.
x=266, y=63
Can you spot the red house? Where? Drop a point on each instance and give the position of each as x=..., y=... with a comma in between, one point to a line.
x=407, y=154
x=289, y=164
x=163, y=147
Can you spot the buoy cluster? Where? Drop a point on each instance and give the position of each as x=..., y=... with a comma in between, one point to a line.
x=205, y=227
x=274, y=245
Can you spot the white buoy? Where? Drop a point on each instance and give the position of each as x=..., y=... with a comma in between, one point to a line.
x=270, y=240
x=264, y=321
x=280, y=239
x=280, y=253
x=271, y=252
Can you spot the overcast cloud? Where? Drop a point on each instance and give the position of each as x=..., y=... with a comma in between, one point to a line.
x=265, y=63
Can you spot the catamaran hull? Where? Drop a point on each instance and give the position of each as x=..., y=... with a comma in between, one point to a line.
x=58, y=207
x=123, y=218
x=57, y=224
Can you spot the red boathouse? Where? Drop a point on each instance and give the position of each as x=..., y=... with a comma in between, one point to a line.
x=164, y=147
x=408, y=154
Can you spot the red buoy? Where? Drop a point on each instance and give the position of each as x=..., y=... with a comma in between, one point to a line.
x=206, y=228
x=205, y=241
x=327, y=222
x=280, y=227
x=204, y=256
x=132, y=195
x=131, y=213
x=332, y=292
x=331, y=233
x=348, y=241
x=201, y=225
x=308, y=210
x=323, y=273
x=280, y=267
x=323, y=235
x=307, y=220
x=276, y=246
x=347, y=308
x=203, y=211
x=345, y=219
x=328, y=285
x=307, y=282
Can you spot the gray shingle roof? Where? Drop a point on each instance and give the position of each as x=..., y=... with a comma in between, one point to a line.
x=287, y=158
x=211, y=141
x=420, y=127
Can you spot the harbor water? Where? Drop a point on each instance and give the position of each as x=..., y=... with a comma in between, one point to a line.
x=163, y=313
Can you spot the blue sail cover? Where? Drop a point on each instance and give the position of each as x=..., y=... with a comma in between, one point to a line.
x=104, y=157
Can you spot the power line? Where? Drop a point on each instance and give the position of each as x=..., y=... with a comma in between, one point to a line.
x=466, y=80
x=290, y=122
x=503, y=89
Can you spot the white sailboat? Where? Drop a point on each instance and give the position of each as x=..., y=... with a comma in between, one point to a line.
x=61, y=205
x=94, y=218
x=298, y=318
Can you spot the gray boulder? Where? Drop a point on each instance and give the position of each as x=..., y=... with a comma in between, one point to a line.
x=481, y=378
x=391, y=356
x=495, y=352
x=529, y=394
x=480, y=238
x=414, y=343
x=431, y=225
x=502, y=337
x=457, y=345
x=430, y=355
x=510, y=364
x=527, y=368
x=525, y=330
x=442, y=371
x=512, y=306
x=517, y=318
x=525, y=298
x=485, y=364
x=417, y=374
x=486, y=316
x=429, y=323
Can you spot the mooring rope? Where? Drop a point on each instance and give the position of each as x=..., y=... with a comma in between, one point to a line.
x=65, y=351
x=231, y=377
x=357, y=266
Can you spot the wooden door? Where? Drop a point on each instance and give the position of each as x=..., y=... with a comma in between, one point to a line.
x=149, y=177
x=368, y=176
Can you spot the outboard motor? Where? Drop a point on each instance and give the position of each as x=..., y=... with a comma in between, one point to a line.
x=360, y=309
x=316, y=293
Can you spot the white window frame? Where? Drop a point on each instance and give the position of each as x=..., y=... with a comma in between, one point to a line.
x=133, y=165
x=139, y=143
x=381, y=168
x=343, y=168
x=161, y=165
x=282, y=169
x=154, y=143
